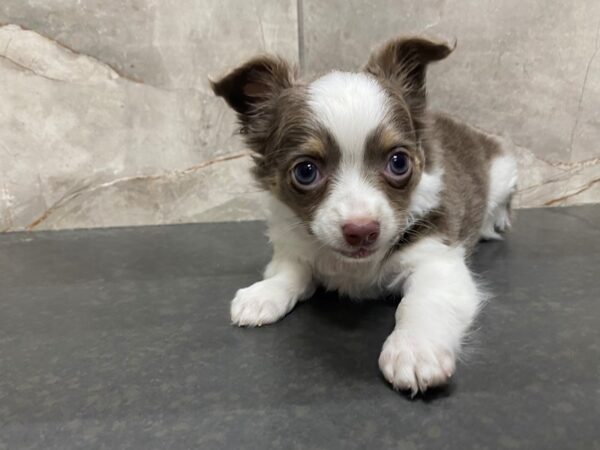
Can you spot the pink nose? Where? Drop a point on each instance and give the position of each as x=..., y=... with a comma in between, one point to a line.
x=361, y=232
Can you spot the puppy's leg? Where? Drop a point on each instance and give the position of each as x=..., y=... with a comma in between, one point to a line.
x=440, y=302
x=286, y=281
x=503, y=184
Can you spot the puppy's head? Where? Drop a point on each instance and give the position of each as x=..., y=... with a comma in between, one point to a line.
x=344, y=151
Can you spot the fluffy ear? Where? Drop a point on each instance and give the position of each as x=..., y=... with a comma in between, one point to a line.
x=253, y=83
x=403, y=62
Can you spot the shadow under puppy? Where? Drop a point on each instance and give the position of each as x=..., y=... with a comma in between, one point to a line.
x=372, y=194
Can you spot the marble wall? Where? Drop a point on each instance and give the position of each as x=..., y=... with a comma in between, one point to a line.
x=107, y=119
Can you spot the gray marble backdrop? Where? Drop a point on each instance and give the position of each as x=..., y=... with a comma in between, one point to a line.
x=107, y=119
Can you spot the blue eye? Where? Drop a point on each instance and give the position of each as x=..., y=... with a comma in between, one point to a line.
x=306, y=173
x=399, y=164
x=398, y=169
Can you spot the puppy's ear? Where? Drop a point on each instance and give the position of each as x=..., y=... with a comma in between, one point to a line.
x=252, y=84
x=403, y=62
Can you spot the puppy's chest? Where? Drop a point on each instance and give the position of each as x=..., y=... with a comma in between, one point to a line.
x=357, y=281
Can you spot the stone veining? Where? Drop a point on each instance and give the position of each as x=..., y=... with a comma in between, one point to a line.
x=583, y=86
x=47, y=58
x=168, y=175
x=560, y=200
x=127, y=132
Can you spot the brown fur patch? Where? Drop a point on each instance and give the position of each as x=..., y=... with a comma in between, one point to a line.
x=379, y=147
x=253, y=83
x=322, y=149
x=466, y=155
x=401, y=65
x=463, y=152
x=277, y=125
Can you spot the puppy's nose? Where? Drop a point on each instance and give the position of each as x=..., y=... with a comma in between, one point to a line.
x=361, y=232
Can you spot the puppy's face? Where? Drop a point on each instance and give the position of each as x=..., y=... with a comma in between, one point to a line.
x=343, y=152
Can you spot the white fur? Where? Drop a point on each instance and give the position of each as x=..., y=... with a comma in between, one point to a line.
x=503, y=182
x=426, y=195
x=352, y=197
x=370, y=278
x=287, y=279
x=440, y=302
x=350, y=105
x=357, y=279
x=269, y=300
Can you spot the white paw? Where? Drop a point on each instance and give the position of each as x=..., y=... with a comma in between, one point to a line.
x=413, y=363
x=260, y=304
x=502, y=222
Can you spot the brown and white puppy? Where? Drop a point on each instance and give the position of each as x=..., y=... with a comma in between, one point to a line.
x=372, y=194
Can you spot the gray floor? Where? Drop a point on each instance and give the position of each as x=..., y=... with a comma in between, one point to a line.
x=120, y=338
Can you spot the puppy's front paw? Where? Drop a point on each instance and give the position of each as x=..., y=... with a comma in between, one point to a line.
x=260, y=304
x=411, y=362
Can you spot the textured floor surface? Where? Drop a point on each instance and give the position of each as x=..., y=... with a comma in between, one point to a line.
x=120, y=338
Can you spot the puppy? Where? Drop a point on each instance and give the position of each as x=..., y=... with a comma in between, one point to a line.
x=372, y=194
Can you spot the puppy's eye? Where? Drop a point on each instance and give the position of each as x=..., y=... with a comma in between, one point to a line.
x=398, y=169
x=306, y=174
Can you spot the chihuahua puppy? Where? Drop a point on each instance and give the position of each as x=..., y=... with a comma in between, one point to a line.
x=372, y=194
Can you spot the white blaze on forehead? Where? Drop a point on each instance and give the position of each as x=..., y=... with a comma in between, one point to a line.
x=350, y=106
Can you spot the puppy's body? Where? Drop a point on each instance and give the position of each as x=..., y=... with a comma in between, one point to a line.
x=372, y=194
x=452, y=204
